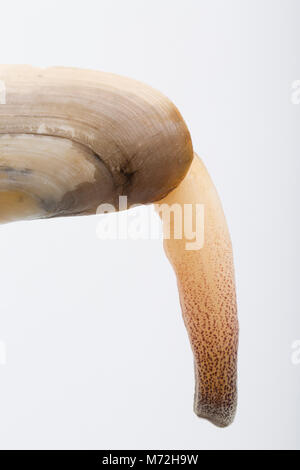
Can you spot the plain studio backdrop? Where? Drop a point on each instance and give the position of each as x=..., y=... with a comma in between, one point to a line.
x=97, y=355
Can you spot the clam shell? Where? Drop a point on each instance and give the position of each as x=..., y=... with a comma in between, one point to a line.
x=72, y=139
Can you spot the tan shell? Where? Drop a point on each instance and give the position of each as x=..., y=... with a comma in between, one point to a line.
x=72, y=139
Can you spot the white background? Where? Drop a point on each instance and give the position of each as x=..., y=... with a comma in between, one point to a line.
x=97, y=354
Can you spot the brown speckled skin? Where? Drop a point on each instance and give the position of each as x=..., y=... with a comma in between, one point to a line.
x=207, y=295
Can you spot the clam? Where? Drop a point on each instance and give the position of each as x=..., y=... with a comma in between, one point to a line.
x=71, y=140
